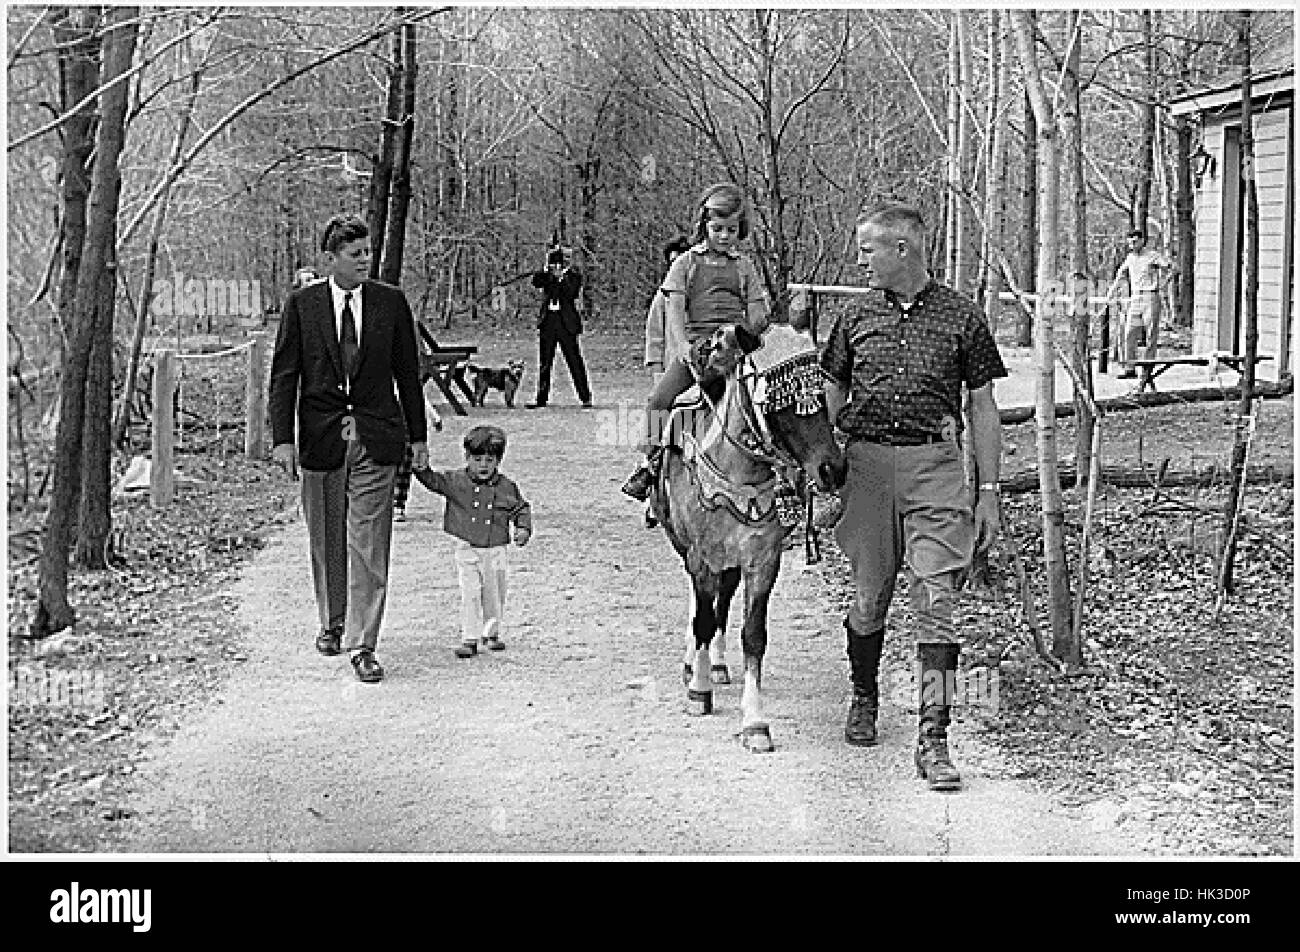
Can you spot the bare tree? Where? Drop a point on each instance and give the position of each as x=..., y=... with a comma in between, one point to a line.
x=78, y=40
x=1147, y=112
x=1249, y=311
x=400, y=197
x=382, y=177
x=1029, y=215
x=1065, y=645
x=1080, y=276
x=126, y=397
x=53, y=612
x=995, y=191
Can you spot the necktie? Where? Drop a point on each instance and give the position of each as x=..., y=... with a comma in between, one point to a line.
x=348, y=338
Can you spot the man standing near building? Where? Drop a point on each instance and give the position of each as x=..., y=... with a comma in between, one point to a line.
x=1148, y=271
x=898, y=363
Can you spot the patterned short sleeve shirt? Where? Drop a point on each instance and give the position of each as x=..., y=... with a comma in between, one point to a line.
x=905, y=366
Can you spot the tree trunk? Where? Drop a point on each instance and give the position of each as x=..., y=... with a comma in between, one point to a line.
x=1250, y=306
x=96, y=521
x=1029, y=211
x=952, y=215
x=381, y=180
x=965, y=191
x=1080, y=307
x=1139, y=477
x=995, y=189
x=1064, y=645
x=779, y=252
x=1146, y=144
x=74, y=30
x=1269, y=391
x=400, y=200
x=53, y=612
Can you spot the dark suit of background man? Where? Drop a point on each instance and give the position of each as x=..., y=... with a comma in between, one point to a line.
x=559, y=323
x=343, y=345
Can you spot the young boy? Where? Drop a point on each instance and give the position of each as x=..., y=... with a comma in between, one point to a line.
x=482, y=505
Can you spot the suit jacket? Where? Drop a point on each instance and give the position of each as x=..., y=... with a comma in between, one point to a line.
x=307, y=375
x=564, y=290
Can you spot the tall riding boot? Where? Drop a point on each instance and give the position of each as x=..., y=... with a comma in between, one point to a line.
x=864, y=668
x=938, y=670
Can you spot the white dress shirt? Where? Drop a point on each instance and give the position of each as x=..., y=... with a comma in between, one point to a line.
x=337, y=294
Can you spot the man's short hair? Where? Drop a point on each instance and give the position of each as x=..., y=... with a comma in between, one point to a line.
x=486, y=440
x=554, y=257
x=893, y=216
x=340, y=230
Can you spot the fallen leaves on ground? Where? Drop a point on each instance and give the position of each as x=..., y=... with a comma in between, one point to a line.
x=154, y=635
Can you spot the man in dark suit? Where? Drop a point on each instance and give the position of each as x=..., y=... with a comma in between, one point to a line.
x=559, y=323
x=346, y=361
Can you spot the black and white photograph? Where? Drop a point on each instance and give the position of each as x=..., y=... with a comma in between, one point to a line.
x=631, y=432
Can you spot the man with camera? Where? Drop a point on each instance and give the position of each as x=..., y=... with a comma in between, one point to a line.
x=559, y=323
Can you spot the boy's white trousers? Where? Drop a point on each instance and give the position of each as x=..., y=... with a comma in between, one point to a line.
x=482, y=575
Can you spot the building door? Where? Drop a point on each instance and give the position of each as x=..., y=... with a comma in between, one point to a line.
x=1233, y=242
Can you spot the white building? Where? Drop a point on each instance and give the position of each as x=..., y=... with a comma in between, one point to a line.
x=1221, y=215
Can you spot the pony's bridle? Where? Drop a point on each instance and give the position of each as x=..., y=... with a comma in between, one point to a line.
x=799, y=382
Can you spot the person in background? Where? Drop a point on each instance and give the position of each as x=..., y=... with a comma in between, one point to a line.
x=559, y=323
x=1148, y=271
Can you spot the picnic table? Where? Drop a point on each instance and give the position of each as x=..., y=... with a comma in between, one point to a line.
x=445, y=366
x=1150, y=368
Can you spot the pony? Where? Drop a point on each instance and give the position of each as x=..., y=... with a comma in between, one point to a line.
x=755, y=444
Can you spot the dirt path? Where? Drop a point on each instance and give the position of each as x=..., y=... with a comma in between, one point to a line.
x=575, y=739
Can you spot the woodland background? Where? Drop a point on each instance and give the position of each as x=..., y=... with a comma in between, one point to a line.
x=601, y=125
x=210, y=143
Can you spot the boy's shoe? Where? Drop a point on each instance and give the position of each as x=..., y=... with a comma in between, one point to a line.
x=494, y=643
x=466, y=649
x=650, y=521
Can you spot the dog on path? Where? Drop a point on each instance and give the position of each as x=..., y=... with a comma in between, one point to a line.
x=506, y=379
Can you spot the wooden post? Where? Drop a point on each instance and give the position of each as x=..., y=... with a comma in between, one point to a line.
x=255, y=402
x=161, y=484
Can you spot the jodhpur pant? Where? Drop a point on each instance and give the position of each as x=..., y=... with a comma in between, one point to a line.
x=349, y=516
x=482, y=573
x=906, y=508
